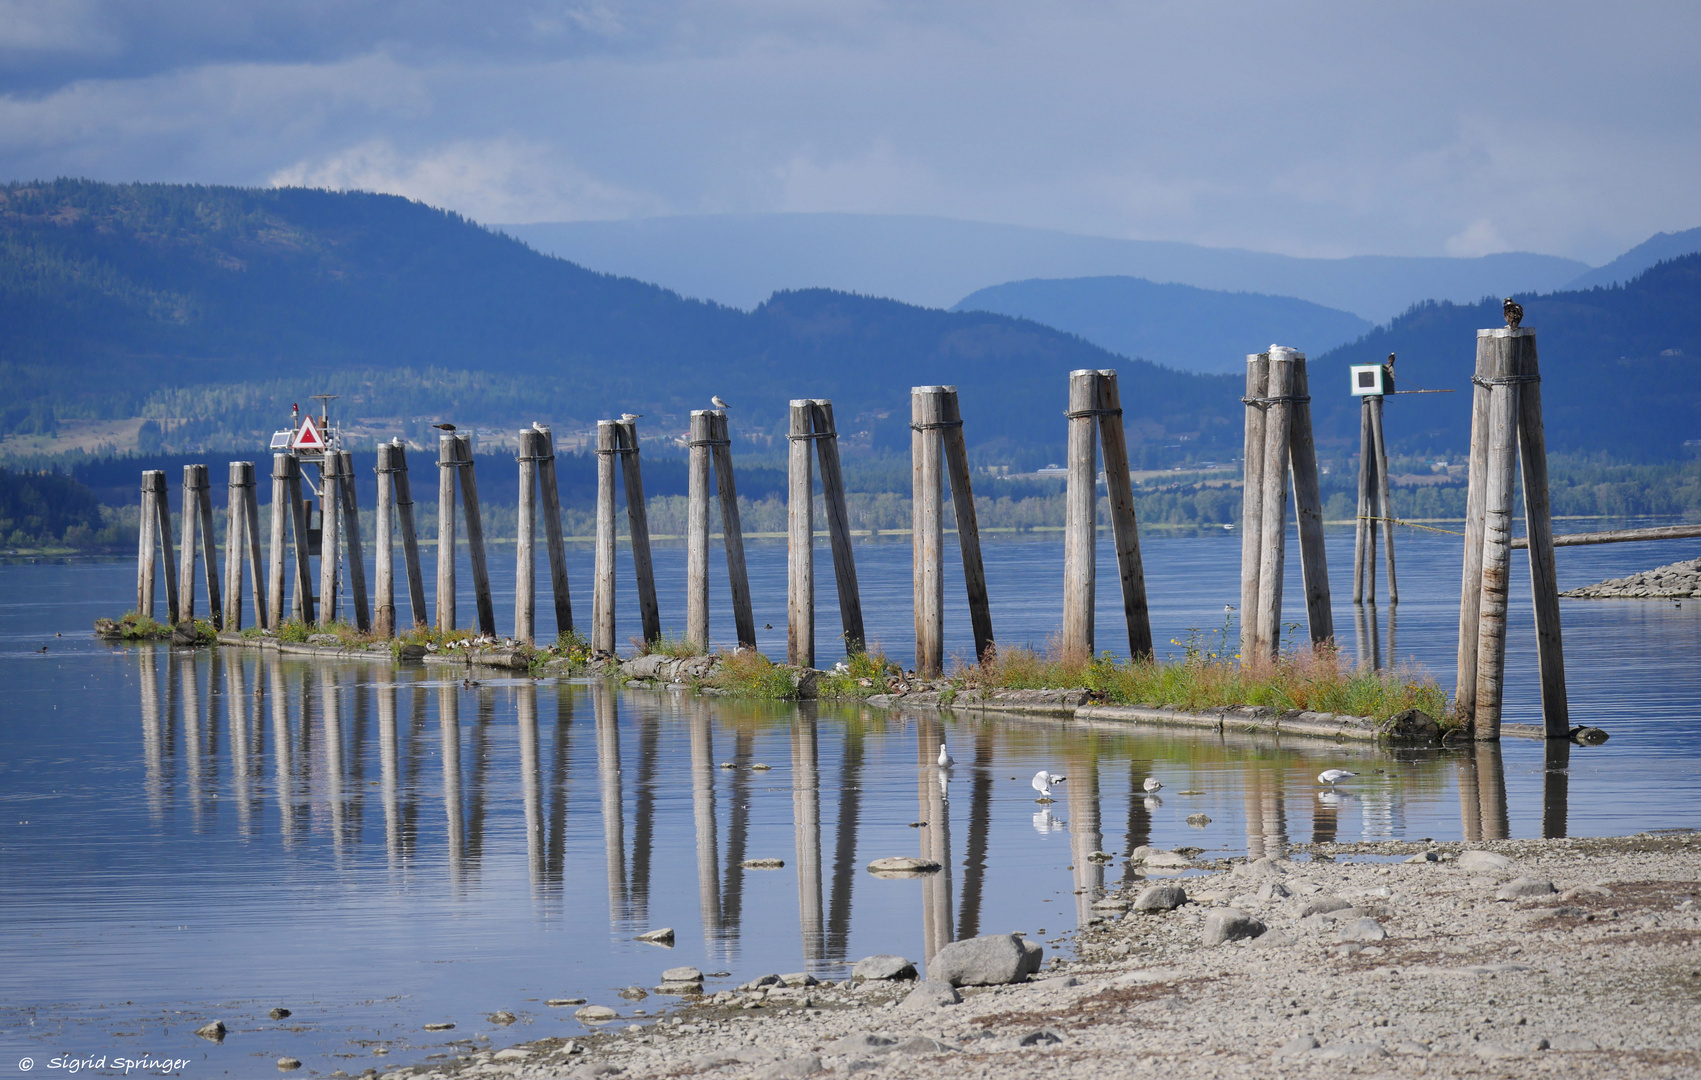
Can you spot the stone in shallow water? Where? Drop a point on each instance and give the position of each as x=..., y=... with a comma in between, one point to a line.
x=682, y=974
x=287, y=1063
x=279, y=1013
x=502, y=1016
x=987, y=960
x=213, y=1032
x=596, y=1014
x=663, y=936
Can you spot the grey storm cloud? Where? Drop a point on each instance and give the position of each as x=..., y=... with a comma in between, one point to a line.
x=1308, y=128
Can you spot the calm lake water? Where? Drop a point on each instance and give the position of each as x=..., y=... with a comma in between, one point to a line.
x=197, y=835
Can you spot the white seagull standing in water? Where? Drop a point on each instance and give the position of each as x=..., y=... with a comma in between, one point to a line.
x=1043, y=781
x=945, y=758
x=1153, y=784
x=1333, y=776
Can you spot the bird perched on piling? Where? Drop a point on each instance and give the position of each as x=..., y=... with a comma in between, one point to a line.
x=1153, y=784
x=444, y=427
x=718, y=403
x=1043, y=781
x=1513, y=311
x=628, y=417
x=1333, y=776
x=945, y=758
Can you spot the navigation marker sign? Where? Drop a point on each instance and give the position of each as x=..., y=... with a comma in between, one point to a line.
x=308, y=438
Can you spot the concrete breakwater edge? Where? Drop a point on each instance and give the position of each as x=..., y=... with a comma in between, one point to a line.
x=1571, y=957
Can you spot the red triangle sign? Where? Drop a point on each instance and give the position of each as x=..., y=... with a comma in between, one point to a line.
x=308, y=437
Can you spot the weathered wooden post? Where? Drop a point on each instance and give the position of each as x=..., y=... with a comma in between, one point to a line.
x=800, y=539
x=732, y=530
x=303, y=600
x=697, y=532
x=209, y=545
x=235, y=544
x=186, y=568
x=928, y=529
x=475, y=538
x=256, y=560
x=356, y=549
x=1080, y=516
x=1497, y=535
x=1252, y=501
x=1538, y=525
x=447, y=465
x=1476, y=499
x=1308, y=511
x=552, y=529
x=330, y=536
x=1125, y=530
x=410, y=536
x=1278, y=433
x=280, y=529
x=638, y=522
x=602, y=585
x=525, y=566
x=826, y=439
x=968, y=525
x=1385, y=501
x=147, y=529
x=383, y=542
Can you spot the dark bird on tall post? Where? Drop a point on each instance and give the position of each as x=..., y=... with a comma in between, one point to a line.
x=444, y=427
x=1513, y=311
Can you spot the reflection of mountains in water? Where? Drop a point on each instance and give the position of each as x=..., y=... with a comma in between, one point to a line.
x=311, y=750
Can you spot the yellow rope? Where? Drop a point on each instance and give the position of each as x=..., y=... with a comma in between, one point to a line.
x=1410, y=524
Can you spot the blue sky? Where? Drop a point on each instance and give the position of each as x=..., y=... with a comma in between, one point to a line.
x=1303, y=128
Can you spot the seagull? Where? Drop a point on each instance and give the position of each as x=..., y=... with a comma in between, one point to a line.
x=945, y=759
x=628, y=417
x=444, y=427
x=1513, y=311
x=1333, y=776
x=718, y=403
x=1153, y=784
x=1043, y=781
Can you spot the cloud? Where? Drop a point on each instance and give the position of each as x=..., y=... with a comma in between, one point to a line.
x=1478, y=238
x=506, y=180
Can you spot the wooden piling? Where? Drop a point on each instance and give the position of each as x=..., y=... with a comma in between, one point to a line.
x=1081, y=516
x=256, y=560
x=209, y=546
x=448, y=465
x=383, y=542
x=356, y=549
x=303, y=599
x=147, y=542
x=800, y=539
x=1365, y=531
x=732, y=531
x=1497, y=536
x=553, y=539
x=1124, y=527
x=927, y=531
x=475, y=538
x=697, y=532
x=280, y=530
x=186, y=567
x=838, y=524
x=1278, y=434
x=167, y=547
x=1538, y=526
x=1308, y=511
x=968, y=526
x=330, y=536
x=638, y=522
x=235, y=544
x=525, y=531
x=602, y=583
x=1252, y=500
x=1476, y=494
x=1385, y=501
x=410, y=536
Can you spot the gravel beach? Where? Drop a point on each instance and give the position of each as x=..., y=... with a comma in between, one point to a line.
x=1523, y=958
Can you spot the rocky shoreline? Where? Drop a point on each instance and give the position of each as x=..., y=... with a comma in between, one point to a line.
x=1504, y=959
x=1676, y=581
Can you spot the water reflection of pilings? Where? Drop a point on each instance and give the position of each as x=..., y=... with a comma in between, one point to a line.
x=531, y=784
x=555, y=865
x=241, y=711
x=844, y=839
x=1140, y=807
x=1086, y=830
x=153, y=737
x=1266, y=812
x=980, y=829
x=738, y=838
x=644, y=816
x=1556, y=782
x=389, y=767
x=806, y=818
x=707, y=829
x=935, y=838
x=449, y=749
x=1482, y=792
x=190, y=696
x=330, y=712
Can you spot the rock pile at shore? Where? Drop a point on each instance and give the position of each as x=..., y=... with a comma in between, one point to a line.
x=1534, y=959
x=1678, y=581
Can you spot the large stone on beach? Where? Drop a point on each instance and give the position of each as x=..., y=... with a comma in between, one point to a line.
x=1365, y=929
x=988, y=960
x=1160, y=898
x=859, y=1042
x=682, y=974
x=883, y=967
x=1322, y=905
x=931, y=995
x=1230, y=924
x=1483, y=861
x=1033, y=955
x=1520, y=888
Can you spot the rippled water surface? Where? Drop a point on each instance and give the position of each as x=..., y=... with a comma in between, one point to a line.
x=196, y=835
